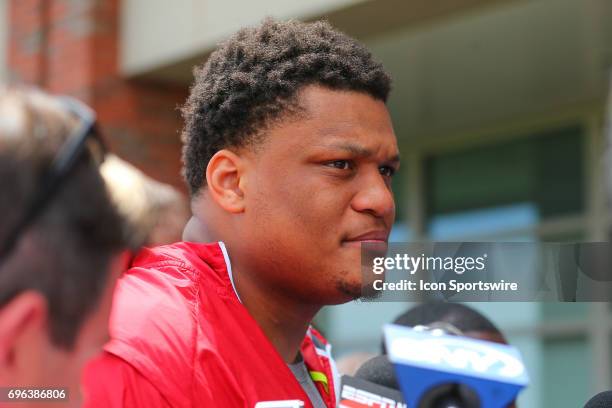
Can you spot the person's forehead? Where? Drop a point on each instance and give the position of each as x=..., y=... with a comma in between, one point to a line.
x=337, y=110
x=338, y=118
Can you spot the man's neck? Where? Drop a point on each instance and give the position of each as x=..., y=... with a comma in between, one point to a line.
x=283, y=320
x=196, y=231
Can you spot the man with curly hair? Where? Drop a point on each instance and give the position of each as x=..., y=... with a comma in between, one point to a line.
x=289, y=153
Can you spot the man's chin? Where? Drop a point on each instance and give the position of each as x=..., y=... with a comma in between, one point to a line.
x=353, y=290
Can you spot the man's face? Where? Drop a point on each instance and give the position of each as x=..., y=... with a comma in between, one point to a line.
x=318, y=187
x=35, y=361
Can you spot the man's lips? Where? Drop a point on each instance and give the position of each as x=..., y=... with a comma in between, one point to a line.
x=378, y=237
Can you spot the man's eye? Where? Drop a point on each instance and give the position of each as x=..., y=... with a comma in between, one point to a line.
x=341, y=164
x=387, y=171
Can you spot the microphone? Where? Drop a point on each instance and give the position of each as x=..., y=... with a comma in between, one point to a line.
x=437, y=370
x=601, y=400
x=379, y=370
x=373, y=386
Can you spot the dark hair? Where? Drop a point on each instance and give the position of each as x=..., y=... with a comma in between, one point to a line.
x=65, y=253
x=460, y=316
x=253, y=79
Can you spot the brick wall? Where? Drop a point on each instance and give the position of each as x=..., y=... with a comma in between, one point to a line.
x=72, y=47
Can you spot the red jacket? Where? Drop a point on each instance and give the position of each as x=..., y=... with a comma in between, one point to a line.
x=181, y=338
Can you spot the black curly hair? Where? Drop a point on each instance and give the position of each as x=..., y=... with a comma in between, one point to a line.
x=460, y=316
x=253, y=79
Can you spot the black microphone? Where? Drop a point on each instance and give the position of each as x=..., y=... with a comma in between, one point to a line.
x=378, y=370
x=374, y=385
x=601, y=400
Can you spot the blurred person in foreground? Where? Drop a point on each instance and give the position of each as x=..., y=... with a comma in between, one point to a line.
x=289, y=152
x=156, y=212
x=61, y=242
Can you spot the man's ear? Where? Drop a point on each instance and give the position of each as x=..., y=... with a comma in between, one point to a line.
x=225, y=180
x=24, y=317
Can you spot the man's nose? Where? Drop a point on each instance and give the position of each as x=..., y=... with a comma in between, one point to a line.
x=374, y=196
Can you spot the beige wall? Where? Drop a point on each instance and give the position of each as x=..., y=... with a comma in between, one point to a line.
x=457, y=64
x=160, y=32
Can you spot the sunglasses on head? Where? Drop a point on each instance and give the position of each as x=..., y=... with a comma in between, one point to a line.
x=84, y=138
